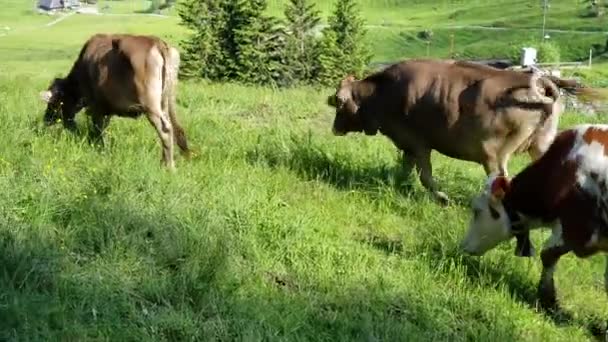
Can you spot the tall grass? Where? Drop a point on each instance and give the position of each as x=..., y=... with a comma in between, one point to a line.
x=277, y=230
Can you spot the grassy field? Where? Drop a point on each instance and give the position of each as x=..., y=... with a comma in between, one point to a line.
x=393, y=26
x=276, y=231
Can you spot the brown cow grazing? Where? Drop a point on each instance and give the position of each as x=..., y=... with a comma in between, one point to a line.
x=123, y=75
x=463, y=110
x=567, y=188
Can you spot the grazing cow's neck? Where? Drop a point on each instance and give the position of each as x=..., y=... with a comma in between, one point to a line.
x=538, y=190
x=72, y=80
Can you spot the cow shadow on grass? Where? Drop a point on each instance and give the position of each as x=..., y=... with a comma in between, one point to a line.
x=79, y=132
x=439, y=254
x=105, y=266
x=313, y=162
x=110, y=267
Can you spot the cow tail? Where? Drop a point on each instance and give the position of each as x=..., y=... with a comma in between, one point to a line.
x=537, y=97
x=581, y=91
x=170, y=70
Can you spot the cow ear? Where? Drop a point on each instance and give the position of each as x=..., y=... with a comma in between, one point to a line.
x=46, y=95
x=500, y=186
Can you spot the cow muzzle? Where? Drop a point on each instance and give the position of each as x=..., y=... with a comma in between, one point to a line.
x=472, y=252
x=337, y=132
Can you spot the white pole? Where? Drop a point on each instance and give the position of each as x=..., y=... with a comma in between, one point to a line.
x=544, y=17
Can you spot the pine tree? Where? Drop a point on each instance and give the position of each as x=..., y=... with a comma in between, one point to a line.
x=259, y=43
x=233, y=40
x=301, y=48
x=345, y=33
x=329, y=60
x=202, y=54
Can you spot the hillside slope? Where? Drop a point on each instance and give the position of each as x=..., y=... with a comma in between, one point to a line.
x=468, y=25
x=277, y=230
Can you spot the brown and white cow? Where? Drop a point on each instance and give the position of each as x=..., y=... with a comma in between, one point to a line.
x=463, y=110
x=566, y=188
x=123, y=75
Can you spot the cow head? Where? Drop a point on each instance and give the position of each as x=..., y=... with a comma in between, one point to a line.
x=347, y=118
x=490, y=224
x=62, y=101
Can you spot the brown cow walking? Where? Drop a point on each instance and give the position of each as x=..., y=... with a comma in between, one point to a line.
x=463, y=110
x=123, y=75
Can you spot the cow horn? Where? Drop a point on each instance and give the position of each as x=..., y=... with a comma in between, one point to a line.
x=46, y=96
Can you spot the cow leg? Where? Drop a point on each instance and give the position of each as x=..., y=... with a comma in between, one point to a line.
x=524, y=247
x=489, y=167
x=100, y=123
x=544, y=137
x=70, y=124
x=509, y=147
x=163, y=127
x=408, y=162
x=489, y=161
x=423, y=165
x=553, y=249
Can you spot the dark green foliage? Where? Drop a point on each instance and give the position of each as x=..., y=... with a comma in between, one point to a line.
x=343, y=50
x=202, y=55
x=594, y=8
x=236, y=40
x=330, y=59
x=157, y=5
x=301, y=50
x=232, y=40
x=258, y=43
x=547, y=51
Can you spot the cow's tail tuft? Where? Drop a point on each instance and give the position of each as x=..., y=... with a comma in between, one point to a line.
x=582, y=92
x=170, y=74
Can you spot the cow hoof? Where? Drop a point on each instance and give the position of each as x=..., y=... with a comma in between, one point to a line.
x=549, y=303
x=441, y=197
x=190, y=154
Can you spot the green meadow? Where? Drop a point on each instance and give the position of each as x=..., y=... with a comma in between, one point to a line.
x=277, y=230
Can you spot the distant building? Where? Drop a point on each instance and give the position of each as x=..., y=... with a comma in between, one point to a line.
x=49, y=5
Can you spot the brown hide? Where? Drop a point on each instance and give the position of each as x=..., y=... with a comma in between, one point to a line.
x=123, y=75
x=452, y=107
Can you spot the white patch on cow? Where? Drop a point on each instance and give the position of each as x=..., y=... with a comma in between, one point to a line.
x=46, y=95
x=590, y=158
x=486, y=231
